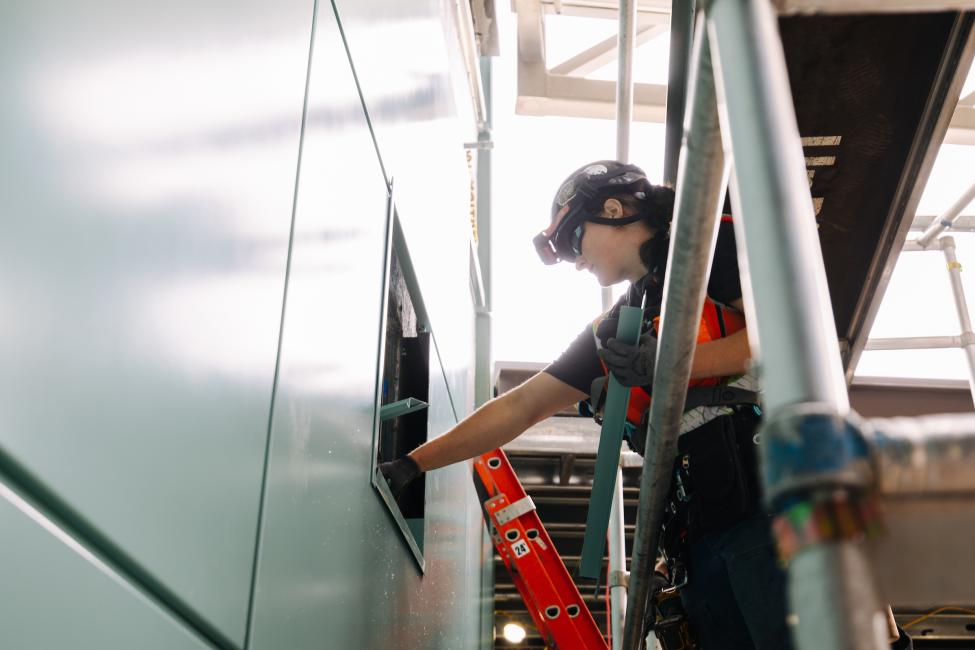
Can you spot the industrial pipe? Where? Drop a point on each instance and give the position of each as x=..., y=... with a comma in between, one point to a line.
x=701, y=184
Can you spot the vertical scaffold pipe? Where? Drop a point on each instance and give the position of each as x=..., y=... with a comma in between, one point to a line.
x=812, y=450
x=681, y=31
x=617, y=563
x=701, y=181
x=961, y=305
x=624, y=117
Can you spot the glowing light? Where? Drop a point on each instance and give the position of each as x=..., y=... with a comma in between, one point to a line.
x=514, y=633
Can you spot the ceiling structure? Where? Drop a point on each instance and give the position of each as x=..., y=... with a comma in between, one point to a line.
x=562, y=87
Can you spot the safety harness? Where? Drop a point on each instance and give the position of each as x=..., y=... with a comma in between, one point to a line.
x=717, y=321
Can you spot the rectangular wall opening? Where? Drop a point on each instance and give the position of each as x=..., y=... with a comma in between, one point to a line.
x=403, y=388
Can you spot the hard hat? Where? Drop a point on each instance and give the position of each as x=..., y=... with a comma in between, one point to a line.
x=582, y=192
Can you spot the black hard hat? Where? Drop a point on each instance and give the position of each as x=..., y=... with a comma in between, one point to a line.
x=582, y=191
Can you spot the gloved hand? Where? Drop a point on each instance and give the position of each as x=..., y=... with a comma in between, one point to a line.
x=399, y=474
x=632, y=365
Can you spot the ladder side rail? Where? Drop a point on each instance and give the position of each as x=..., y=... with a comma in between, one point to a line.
x=550, y=595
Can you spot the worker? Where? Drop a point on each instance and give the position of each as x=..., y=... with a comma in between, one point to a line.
x=608, y=219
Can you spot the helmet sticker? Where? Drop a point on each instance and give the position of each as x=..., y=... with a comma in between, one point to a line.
x=566, y=192
x=595, y=170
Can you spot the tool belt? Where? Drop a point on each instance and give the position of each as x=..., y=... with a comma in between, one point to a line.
x=668, y=620
x=715, y=481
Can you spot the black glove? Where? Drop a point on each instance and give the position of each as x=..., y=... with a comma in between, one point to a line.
x=399, y=474
x=632, y=365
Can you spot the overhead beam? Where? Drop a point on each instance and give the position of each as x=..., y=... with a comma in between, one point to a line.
x=605, y=52
x=961, y=130
x=574, y=97
x=647, y=10
x=591, y=98
x=545, y=92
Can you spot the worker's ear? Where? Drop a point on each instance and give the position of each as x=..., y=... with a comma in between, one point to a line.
x=612, y=208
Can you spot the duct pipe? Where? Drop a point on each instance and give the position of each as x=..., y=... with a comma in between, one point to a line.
x=961, y=306
x=947, y=218
x=702, y=179
x=624, y=117
x=831, y=589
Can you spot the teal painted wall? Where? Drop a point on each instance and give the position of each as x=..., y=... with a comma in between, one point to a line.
x=190, y=276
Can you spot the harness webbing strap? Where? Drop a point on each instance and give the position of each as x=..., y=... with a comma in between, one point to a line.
x=718, y=396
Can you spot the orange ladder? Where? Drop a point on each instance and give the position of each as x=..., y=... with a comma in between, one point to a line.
x=544, y=583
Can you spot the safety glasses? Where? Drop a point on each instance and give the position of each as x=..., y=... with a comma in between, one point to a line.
x=555, y=244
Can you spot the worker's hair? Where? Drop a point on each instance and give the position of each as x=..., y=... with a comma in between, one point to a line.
x=657, y=207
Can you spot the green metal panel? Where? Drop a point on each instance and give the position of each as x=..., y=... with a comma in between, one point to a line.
x=411, y=85
x=333, y=569
x=608, y=455
x=54, y=594
x=148, y=178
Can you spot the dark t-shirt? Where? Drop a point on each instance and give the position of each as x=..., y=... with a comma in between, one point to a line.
x=579, y=364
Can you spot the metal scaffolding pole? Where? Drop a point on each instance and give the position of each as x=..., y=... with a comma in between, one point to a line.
x=681, y=32
x=961, y=306
x=915, y=343
x=624, y=96
x=483, y=355
x=947, y=245
x=624, y=85
x=947, y=219
x=702, y=179
x=831, y=590
x=624, y=117
x=617, y=563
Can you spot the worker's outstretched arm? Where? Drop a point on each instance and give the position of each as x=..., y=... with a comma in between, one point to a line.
x=498, y=422
x=722, y=357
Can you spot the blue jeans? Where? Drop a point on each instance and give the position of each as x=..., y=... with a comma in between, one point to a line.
x=736, y=595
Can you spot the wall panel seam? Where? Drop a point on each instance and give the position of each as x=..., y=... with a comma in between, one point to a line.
x=362, y=98
x=277, y=361
x=34, y=492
